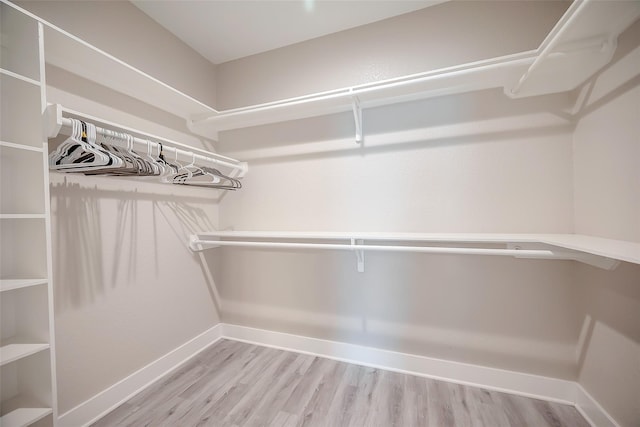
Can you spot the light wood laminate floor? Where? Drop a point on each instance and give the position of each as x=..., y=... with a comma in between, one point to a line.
x=238, y=384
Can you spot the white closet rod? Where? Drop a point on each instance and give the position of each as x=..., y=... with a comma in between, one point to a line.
x=169, y=152
x=64, y=125
x=518, y=246
x=197, y=244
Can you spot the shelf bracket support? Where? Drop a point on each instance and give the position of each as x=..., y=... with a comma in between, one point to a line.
x=359, y=254
x=197, y=245
x=597, y=261
x=583, y=257
x=357, y=116
x=53, y=118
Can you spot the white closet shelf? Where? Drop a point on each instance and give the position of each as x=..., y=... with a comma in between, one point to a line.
x=492, y=73
x=23, y=410
x=603, y=253
x=20, y=146
x=621, y=250
x=12, y=352
x=581, y=43
x=22, y=417
x=22, y=216
x=27, y=353
x=19, y=77
x=72, y=54
x=12, y=284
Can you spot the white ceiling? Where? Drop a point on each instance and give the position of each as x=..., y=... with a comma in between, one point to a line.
x=223, y=30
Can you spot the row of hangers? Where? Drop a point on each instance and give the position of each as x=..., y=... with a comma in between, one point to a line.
x=91, y=153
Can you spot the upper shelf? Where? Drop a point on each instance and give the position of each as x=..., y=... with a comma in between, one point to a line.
x=492, y=73
x=580, y=44
x=73, y=54
x=616, y=249
x=587, y=35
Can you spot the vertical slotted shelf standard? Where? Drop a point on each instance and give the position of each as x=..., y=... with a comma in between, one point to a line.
x=27, y=359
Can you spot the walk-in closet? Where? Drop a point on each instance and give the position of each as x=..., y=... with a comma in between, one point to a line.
x=320, y=213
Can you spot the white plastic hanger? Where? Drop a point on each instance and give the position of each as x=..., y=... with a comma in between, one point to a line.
x=79, y=152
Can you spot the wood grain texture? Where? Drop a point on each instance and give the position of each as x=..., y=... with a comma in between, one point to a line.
x=236, y=384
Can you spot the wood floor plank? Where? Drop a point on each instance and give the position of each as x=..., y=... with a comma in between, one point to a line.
x=306, y=387
x=341, y=407
x=395, y=398
x=569, y=416
x=158, y=394
x=207, y=389
x=486, y=404
x=282, y=419
x=383, y=404
x=230, y=360
x=220, y=406
x=234, y=384
x=462, y=415
x=318, y=404
x=116, y=416
x=547, y=412
x=223, y=393
x=240, y=413
x=279, y=391
x=415, y=394
x=368, y=380
x=439, y=404
x=285, y=390
x=527, y=412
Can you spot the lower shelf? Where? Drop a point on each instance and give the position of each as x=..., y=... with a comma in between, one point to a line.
x=23, y=417
x=596, y=251
x=11, y=284
x=22, y=216
x=12, y=352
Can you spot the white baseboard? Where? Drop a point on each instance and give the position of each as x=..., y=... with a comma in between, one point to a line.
x=107, y=400
x=591, y=409
x=536, y=386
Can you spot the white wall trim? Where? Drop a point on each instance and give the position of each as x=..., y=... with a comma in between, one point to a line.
x=107, y=400
x=592, y=410
x=528, y=385
x=536, y=386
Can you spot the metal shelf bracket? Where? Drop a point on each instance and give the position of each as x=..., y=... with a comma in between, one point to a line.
x=586, y=258
x=359, y=253
x=357, y=116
